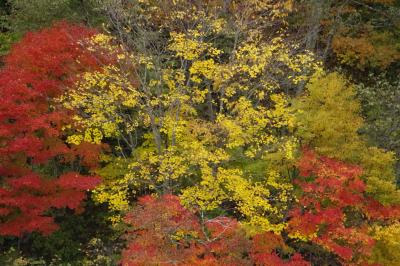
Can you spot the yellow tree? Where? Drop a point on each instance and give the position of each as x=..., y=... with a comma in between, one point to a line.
x=207, y=118
x=328, y=120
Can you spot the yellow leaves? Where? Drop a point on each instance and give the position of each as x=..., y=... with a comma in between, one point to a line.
x=181, y=234
x=288, y=5
x=280, y=114
x=205, y=68
x=116, y=196
x=121, y=56
x=214, y=52
x=250, y=52
x=302, y=237
x=172, y=166
x=93, y=135
x=100, y=95
x=190, y=46
x=145, y=61
x=75, y=139
x=185, y=120
x=116, y=200
x=218, y=24
x=115, y=186
x=254, y=200
x=387, y=247
x=185, y=47
x=254, y=58
x=173, y=79
x=102, y=44
x=326, y=112
x=328, y=120
x=289, y=148
x=101, y=39
x=206, y=198
x=253, y=127
x=390, y=234
x=235, y=132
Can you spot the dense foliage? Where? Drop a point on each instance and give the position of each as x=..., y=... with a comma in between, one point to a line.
x=242, y=132
x=30, y=131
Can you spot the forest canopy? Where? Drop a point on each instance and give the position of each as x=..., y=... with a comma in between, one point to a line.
x=193, y=132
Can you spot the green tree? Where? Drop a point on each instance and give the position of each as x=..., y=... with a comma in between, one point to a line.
x=381, y=108
x=32, y=15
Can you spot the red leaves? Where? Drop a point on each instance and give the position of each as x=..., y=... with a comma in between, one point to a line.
x=334, y=210
x=163, y=232
x=273, y=259
x=344, y=252
x=27, y=198
x=311, y=164
x=154, y=223
x=38, y=69
x=28, y=223
x=73, y=180
x=267, y=242
x=30, y=181
x=48, y=58
x=263, y=251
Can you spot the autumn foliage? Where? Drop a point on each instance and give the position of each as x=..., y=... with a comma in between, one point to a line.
x=334, y=210
x=163, y=231
x=199, y=133
x=38, y=69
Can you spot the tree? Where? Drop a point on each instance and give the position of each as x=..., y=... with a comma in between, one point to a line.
x=163, y=231
x=333, y=210
x=6, y=37
x=380, y=107
x=34, y=15
x=362, y=35
x=265, y=248
x=367, y=35
x=32, y=149
x=182, y=119
x=328, y=118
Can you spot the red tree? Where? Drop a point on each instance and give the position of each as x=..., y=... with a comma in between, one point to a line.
x=164, y=232
x=38, y=69
x=334, y=210
x=263, y=251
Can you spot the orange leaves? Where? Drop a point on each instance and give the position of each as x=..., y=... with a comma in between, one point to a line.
x=267, y=243
x=164, y=232
x=368, y=50
x=263, y=251
x=272, y=259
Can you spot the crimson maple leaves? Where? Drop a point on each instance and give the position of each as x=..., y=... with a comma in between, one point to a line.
x=334, y=210
x=38, y=69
